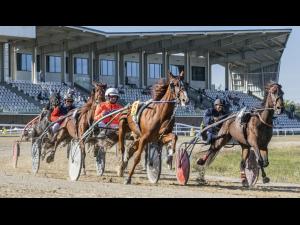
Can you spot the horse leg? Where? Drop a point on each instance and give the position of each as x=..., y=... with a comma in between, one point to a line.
x=171, y=140
x=59, y=136
x=122, y=163
x=264, y=154
x=245, y=154
x=142, y=142
x=82, y=148
x=126, y=157
x=260, y=160
x=222, y=140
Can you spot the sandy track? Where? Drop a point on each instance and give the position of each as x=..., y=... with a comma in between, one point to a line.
x=52, y=181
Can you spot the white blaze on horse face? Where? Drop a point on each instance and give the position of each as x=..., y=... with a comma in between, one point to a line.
x=185, y=99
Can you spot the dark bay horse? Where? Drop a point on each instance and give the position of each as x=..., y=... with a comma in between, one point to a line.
x=257, y=134
x=43, y=120
x=156, y=121
x=72, y=129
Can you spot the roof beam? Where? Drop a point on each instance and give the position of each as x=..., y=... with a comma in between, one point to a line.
x=243, y=55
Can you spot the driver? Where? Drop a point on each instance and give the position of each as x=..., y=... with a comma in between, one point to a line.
x=211, y=116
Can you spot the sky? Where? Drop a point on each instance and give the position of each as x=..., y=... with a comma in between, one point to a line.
x=290, y=63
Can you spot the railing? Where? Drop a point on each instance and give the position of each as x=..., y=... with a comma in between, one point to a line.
x=11, y=129
x=179, y=129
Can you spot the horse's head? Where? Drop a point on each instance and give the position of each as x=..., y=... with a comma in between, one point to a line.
x=99, y=92
x=275, y=96
x=54, y=99
x=177, y=88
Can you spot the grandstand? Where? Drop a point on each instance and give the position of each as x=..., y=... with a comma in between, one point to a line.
x=73, y=57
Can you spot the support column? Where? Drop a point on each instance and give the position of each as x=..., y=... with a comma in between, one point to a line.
x=33, y=65
x=1, y=62
x=145, y=79
x=117, y=64
x=13, y=64
x=97, y=67
x=120, y=69
x=43, y=62
x=165, y=65
x=71, y=68
x=187, y=69
x=207, y=77
x=63, y=66
x=230, y=86
x=91, y=64
x=142, y=68
x=263, y=81
x=227, y=76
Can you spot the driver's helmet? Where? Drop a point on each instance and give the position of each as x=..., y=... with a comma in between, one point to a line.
x=68, y=97
x=218, y=102
x=111, y=92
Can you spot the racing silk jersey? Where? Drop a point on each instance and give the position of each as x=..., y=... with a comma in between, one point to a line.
x=210, y=114
x=56, y=113
x=105, y=108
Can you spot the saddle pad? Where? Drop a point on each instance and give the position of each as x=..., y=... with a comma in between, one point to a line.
x=134, y=108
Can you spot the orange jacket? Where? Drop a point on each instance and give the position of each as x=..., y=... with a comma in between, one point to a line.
x=56, y=113
x=104, y=108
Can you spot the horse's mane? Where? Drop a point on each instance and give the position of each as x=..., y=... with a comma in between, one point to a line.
x=267, y=88
x=88, y=105
x=159, y=89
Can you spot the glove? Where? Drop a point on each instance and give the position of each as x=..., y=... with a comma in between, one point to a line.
x=106, y=113
x=216, y=119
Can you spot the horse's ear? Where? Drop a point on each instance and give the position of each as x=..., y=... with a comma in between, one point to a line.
x=170, y=75
x=181, y=75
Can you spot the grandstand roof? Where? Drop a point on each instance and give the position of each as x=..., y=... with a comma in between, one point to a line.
x=239, y=47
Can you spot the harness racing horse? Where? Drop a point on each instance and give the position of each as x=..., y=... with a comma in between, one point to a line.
x=71, y=129
x=44, y=118
x=156, y=121
x=256, y=133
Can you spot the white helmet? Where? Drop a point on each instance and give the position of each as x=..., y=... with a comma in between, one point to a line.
x=112, y=92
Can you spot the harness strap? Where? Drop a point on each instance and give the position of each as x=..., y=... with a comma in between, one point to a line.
x=269, y=125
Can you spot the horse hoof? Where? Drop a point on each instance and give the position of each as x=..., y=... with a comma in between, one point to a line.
x=200, y=162
x=266, y=180
x=127, y=181
x=50, y=159
x=245, y=183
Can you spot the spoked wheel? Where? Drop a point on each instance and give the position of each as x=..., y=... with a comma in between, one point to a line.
x=15, y=153
x=35, y=155
x=75, y=161
x=68, y=150
x=153, y=162
x=251, y=169
x=100, y=161
x=182, y=166
x=169, y=157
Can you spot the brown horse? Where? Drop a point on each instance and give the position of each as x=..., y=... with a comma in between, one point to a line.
x=156, y=121
x=257, y=133
x=71, y=129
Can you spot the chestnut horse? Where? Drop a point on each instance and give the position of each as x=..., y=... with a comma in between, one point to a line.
x=71, y=129
x=156, y=121
x=257, y=134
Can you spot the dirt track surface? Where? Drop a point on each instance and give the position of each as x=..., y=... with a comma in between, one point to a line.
x=52, y=181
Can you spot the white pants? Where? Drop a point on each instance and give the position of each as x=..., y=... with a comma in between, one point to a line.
x=55, y=127
x=101, y=125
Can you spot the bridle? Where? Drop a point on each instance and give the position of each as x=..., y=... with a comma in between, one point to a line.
x=275, y=94
x=177, y=90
